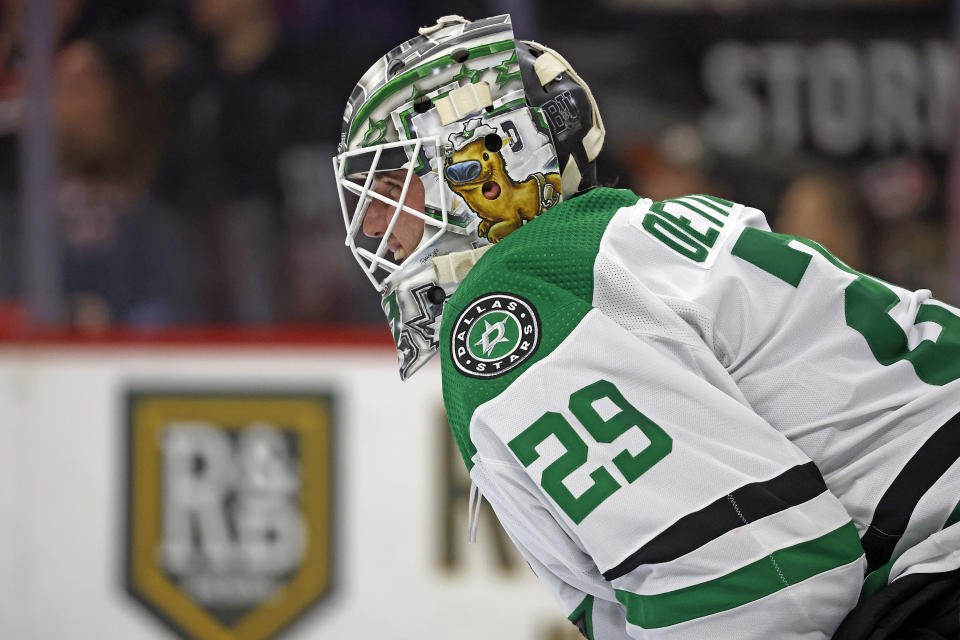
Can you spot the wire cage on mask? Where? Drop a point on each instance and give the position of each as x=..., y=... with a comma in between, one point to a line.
x=356, y=173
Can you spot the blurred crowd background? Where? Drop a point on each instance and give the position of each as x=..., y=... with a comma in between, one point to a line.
x=191, y=140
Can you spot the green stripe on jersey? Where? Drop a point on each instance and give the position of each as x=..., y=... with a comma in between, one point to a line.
x=549, y=261
x=880, y=577
x=582, y=617
x=877, y=580
x=756, y=580
x=954, y=517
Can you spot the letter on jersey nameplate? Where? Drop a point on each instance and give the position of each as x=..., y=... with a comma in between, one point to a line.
x=695, y=227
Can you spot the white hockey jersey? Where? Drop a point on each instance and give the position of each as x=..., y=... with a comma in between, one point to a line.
x=692, y=427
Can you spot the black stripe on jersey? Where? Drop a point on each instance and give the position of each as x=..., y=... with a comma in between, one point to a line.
x=893, y=512
x=746, y=504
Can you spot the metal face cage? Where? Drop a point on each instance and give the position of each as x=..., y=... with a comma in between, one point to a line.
x=356, y=173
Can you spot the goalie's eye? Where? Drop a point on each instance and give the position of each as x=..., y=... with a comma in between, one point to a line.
x=389, y=188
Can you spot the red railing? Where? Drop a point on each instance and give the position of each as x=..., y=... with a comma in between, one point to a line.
x=15, y=331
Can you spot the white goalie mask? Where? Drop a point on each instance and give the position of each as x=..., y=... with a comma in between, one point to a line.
x=443, y=152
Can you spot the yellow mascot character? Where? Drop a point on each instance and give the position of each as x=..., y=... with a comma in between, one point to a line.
x=477, y=172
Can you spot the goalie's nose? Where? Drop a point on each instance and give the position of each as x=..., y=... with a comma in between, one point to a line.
x=376, y=219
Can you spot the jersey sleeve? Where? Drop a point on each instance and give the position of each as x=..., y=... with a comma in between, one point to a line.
x=569, y=574
x=655, y=504
x=862, y=375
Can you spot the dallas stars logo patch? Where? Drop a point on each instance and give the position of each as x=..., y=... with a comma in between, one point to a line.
x=494, y=334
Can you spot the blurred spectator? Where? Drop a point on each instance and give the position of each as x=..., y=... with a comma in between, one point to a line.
x=886, y=237
x=124, y=254
x=915, y=256
x=248, y=100
x=12, y=86
x=228, y=167
x=825, y=209
x=670, y=167
x=905, y=199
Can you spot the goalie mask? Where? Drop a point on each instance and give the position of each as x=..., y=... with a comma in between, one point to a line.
x=450, y=142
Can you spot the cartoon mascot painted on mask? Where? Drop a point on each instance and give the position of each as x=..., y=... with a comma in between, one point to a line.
x=479, y=176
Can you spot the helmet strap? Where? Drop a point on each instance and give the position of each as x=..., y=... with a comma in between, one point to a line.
x=548, y=66
x=452, y=268
x=570, y=178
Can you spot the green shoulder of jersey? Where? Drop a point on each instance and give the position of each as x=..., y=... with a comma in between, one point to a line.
x=520, y=302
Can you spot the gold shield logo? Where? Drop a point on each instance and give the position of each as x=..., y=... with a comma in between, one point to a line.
x=229, y=510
